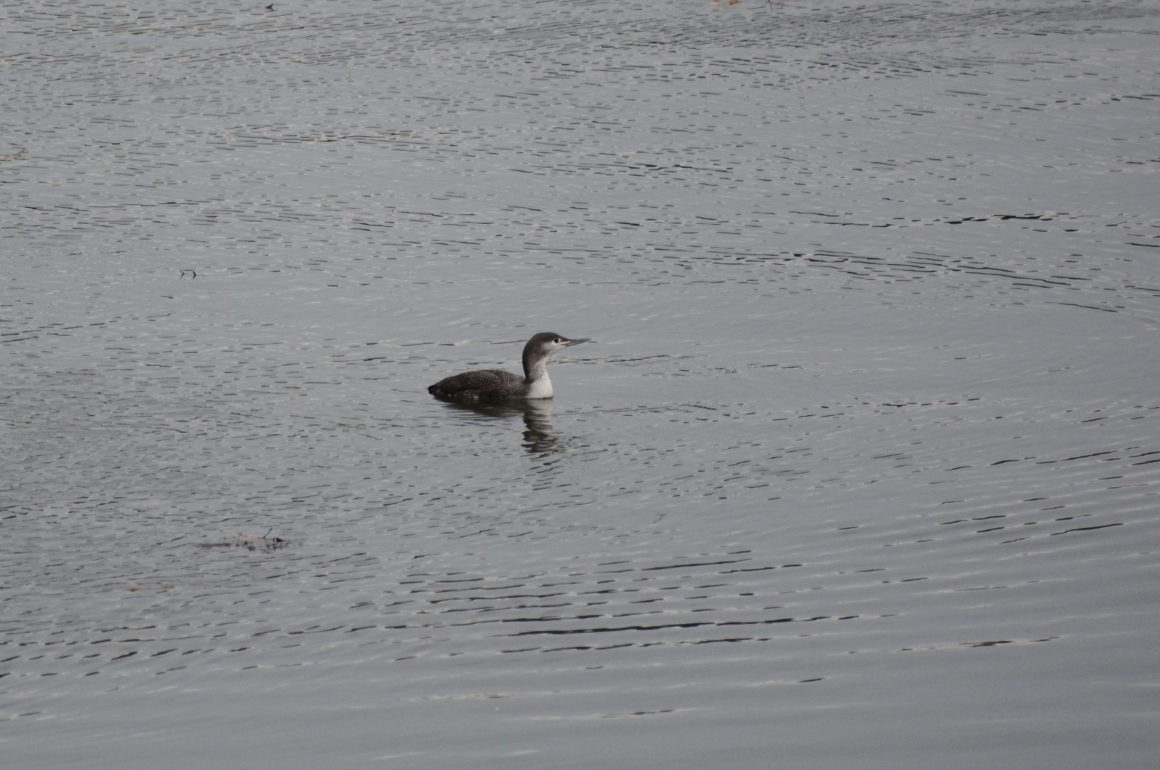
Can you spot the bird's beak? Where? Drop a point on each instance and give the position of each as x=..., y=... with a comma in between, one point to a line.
x=570, y=343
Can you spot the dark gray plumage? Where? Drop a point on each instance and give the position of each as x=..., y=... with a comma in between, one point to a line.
x=498, y=385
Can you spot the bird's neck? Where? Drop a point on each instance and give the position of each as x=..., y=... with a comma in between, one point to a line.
x=535, y=369
x=541, y=387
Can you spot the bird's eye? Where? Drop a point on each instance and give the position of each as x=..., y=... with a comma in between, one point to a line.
x=558, y=340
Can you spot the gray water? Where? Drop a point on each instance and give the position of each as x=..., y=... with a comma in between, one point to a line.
x=863, y=470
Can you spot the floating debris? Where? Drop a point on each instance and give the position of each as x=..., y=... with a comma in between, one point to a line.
x=251, y=541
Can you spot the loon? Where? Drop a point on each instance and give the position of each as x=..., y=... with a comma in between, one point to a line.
x=498, y=385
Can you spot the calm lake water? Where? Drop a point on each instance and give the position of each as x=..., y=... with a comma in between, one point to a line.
x=861, y=471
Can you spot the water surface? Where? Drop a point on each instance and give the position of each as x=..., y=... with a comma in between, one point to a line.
x=862, y=470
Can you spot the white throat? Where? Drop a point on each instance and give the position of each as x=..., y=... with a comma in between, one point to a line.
x=541, y=387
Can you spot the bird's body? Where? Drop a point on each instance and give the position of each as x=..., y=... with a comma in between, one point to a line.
x=474, y=385
x=498, y=385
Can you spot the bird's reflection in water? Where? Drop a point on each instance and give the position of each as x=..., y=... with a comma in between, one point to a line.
x=539, y=435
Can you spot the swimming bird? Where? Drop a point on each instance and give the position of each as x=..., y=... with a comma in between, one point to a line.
x=498, y=385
